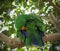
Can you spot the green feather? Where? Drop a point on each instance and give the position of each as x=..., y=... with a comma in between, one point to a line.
x=20, y=21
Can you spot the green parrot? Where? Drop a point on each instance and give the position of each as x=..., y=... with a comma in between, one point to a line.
x=30, y=29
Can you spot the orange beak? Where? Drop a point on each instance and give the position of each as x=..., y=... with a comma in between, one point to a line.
x=23, y=28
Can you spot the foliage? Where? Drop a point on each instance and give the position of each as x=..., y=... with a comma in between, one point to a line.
x=10, y=9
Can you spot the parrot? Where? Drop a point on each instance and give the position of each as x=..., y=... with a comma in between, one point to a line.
x=30, y=29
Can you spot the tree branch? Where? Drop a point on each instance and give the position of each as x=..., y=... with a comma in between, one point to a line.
x=55, y=6
x=55, y=22
x=51, y=37
x=5, y=38
x=12, y=43
x=15, y=43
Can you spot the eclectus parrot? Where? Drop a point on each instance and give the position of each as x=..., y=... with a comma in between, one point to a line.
x=30, y=29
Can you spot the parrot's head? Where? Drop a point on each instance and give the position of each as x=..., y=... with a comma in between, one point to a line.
x=21, y=20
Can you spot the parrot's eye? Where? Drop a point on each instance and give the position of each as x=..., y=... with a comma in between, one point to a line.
x=23, y=28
